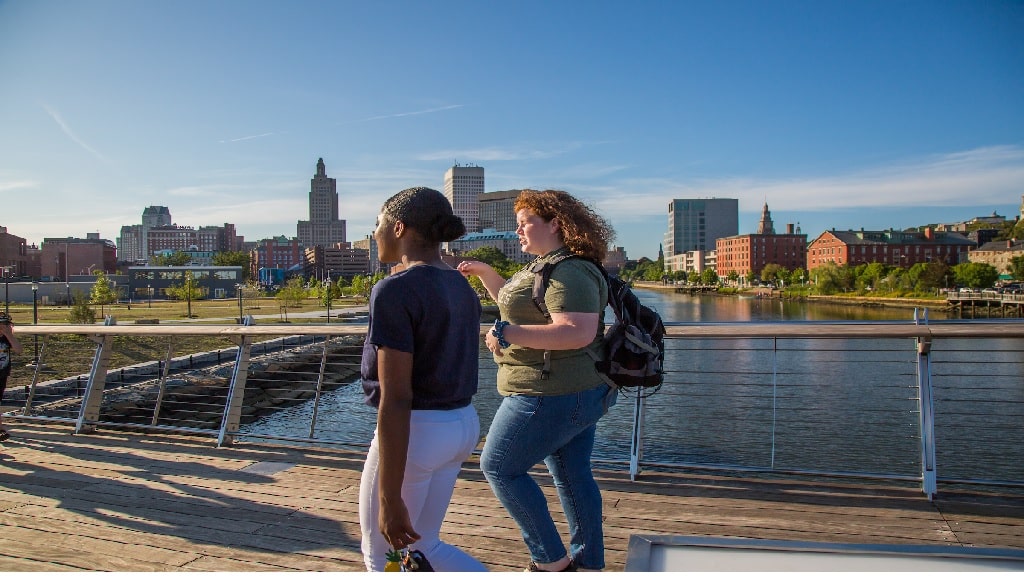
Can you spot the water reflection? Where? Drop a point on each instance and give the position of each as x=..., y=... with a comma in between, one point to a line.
x=838, y=405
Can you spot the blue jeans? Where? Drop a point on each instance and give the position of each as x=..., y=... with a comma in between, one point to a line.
x=560, y=431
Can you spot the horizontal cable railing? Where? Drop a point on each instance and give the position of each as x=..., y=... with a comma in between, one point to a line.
x=928, y=402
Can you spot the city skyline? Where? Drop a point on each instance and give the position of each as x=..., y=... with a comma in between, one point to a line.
x=870, y=115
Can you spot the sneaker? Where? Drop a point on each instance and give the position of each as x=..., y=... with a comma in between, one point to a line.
x=571, y=567
x=4, y=435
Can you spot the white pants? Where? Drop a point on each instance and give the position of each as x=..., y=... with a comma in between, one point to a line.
x=439, y=442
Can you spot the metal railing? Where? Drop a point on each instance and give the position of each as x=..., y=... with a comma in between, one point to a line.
x=882, y=400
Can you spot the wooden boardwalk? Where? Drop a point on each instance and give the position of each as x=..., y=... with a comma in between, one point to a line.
x=125, y=501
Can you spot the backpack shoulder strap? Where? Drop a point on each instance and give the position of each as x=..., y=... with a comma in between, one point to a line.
x=541, y=276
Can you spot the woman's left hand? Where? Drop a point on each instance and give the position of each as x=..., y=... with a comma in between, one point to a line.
x=396, y=526
x=492, y=344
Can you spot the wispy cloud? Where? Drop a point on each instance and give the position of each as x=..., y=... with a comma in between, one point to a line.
x=18, y=185
x=991, y=175
x=404, y=114
x=71, y=133
x=510, y=153
x=244, y=138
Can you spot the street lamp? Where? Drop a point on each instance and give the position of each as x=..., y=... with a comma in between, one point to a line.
x=238, y=292
x=35, y=320
x=67, y=285
x=149, y=290
x=7, y=290
x=327, y=297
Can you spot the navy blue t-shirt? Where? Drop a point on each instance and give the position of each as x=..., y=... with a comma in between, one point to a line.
x=435, y=315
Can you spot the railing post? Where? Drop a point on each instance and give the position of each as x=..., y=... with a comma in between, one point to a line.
x=35, y=379
x=927, y=411
x=93, y=398
x=636, y=443
x=319, y=387
x=163, y=386
x=236, y=393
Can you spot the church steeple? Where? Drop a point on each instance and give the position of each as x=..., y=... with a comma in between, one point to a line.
x=766, y=226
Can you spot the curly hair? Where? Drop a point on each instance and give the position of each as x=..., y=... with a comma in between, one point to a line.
x=584, y=231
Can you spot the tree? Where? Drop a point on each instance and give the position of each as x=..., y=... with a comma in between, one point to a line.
x=773, y=273
x=870, y=275
x=172, y=259
x=233, y=258
x=932, y=276
x=975, y=275
x=102, y=292
x=188, y=290
x=692, y=277
x=709, y=277
x=1017, y=267
x=81, y=312
x=733, y=276
x=293, y=291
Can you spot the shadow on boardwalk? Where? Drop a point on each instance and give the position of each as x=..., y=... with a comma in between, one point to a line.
x=126, y=501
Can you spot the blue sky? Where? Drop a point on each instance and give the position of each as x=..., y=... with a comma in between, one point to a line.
x=845, y=114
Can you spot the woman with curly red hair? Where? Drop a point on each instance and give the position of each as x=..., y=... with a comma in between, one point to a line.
x=553, y=394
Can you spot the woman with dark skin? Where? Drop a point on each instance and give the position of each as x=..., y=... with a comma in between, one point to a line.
x=420, y=369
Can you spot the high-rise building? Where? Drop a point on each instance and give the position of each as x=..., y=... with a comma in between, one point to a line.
x=497, y=210
x=463, y=186
x=695, y=224
x=324, y=228
x=133, y=242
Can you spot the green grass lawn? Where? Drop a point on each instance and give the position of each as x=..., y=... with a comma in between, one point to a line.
x=220, y=311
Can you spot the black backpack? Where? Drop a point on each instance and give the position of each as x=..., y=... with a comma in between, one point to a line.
x=634, y=346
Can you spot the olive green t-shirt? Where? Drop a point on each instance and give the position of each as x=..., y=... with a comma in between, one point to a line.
x=576, y=285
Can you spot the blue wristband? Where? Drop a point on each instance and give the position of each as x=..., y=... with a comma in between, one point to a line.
x=499, y=332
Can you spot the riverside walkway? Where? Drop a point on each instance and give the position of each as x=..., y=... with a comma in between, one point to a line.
x=127, y=501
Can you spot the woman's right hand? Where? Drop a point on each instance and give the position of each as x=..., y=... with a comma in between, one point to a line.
x=473, y=268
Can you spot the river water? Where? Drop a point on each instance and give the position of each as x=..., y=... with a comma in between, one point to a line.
x=816, y=405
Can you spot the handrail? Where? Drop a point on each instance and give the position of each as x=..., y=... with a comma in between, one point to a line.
x=1011, y=328
x=922, y=337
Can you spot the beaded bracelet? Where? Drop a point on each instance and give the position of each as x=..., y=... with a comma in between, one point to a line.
x=499, y=332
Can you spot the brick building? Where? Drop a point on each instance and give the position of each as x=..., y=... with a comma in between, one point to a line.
x=891, y=247
x=750, y=253
x=338, y=261
x=275, y=253
x=13, y=255
x=61, y=258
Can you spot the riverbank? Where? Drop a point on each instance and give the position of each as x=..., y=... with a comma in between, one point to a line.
x=862, y=301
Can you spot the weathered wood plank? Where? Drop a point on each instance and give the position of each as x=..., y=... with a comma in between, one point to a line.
x=125, y=501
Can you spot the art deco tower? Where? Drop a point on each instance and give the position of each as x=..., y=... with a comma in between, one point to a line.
x=323, y=227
